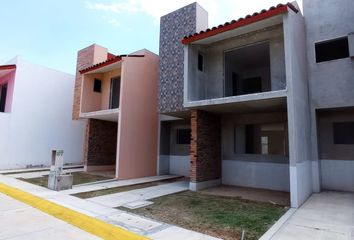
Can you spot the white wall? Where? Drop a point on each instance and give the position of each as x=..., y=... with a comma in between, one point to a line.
x=41, y=118
x=4, y=135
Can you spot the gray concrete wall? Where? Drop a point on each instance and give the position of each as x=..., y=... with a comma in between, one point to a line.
x=326, y=146
x=337, y=175
x=298, y=109
x=228, y=124
x=330, y=83
x=164, y=148
x=273, y=176
x=174, y=158
x=252, y=170
x=336, y=163
x=210, y=84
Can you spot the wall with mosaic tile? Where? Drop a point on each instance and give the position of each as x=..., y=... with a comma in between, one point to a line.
x=173, y=27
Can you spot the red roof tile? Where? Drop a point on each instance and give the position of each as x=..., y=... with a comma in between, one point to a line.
x=109, y=61
x=255, y=17
x=7, y=67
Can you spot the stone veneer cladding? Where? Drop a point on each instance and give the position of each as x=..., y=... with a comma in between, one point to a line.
x=173, y=27
x=205, y=146
x=101, y=143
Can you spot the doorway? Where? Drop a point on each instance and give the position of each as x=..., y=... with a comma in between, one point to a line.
x=114, y=93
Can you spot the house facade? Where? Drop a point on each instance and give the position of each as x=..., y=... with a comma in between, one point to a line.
x=248, y=95
x=330, y=59
x=117, y=96
x=35, y=116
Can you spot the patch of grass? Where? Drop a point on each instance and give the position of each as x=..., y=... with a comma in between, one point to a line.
x=97, y=193
x=217, y=216
x=79, y=178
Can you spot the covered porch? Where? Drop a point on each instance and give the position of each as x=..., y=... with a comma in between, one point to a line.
x=242, y=145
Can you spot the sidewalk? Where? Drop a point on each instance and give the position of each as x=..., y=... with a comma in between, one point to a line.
x=19, y=221
x=325, y=215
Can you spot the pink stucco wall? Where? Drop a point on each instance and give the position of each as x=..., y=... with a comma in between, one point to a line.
x=10, y=80
x=92, y=101
x=138, y=118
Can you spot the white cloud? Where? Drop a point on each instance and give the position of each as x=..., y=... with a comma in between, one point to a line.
x=219, y=11
x=113, y=21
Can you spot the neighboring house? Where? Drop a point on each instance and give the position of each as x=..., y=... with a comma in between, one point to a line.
x=35, y=116
x=118, y=96
x=330, y=58
x=240, y=92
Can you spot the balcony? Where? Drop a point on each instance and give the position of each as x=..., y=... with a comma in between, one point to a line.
x=101, y=93
x=246, y=68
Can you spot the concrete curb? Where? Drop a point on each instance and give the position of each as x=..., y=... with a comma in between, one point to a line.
x=89, y=224
x=275, y=228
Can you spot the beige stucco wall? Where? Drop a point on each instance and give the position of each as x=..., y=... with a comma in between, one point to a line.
x=138, y=118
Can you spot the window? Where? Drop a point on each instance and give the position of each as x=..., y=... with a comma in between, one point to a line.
x=332, y=50
x=343, y=132
x=200, y=62
x=264, y=143
x=266, y=139
x=3, y=93
x=97, y=85
x=183, y=136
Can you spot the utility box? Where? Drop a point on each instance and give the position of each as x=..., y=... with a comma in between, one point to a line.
x=57, y=179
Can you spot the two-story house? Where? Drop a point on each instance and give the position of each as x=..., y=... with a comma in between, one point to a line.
x=117, y=96
x=234, y=101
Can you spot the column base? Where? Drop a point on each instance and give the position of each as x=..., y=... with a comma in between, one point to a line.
x=196, y=186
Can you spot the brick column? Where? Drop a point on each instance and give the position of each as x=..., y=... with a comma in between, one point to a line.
x=205, y=149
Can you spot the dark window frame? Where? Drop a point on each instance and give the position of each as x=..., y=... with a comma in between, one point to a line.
x=332, y=49
x=183, y=136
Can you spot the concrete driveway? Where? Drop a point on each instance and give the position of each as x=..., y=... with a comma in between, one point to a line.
x=325, y=216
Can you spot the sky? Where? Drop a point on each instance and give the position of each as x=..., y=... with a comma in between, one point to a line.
x=51, y=32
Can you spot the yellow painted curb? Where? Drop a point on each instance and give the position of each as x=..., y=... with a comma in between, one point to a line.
x=89, y=224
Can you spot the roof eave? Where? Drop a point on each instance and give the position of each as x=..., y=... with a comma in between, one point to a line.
x=244, y=22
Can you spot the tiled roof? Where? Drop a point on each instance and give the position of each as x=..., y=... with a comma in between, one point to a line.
x=7, y=67
x=109, y=61
x=255, y=17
